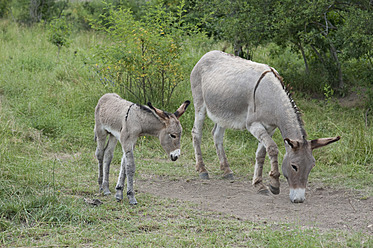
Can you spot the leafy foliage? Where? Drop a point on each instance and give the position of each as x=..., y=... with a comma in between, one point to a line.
x=142, y=59
x=326, y=33
x=32, y=11
x=59, y=33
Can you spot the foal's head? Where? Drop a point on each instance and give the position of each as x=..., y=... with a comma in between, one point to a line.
x=170, y=135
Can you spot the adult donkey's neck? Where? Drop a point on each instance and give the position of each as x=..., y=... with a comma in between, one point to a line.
x=291, y=127
x=289, y=119
x=282, y=107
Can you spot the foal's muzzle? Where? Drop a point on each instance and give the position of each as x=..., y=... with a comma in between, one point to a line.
x=175, y=155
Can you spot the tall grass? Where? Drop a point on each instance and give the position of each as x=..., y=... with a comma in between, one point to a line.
x=47, y=163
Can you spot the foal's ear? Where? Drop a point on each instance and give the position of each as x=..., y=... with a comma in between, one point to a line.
x=317, y=143
x=292, y=143
x=180, y=111
x=158, y=112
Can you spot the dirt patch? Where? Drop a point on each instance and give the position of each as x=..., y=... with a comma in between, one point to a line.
x=324, y=208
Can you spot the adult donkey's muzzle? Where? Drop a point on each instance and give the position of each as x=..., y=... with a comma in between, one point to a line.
x=297, y=195
x=175, y=155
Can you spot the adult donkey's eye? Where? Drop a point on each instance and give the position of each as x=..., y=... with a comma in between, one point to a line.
x=173, y=136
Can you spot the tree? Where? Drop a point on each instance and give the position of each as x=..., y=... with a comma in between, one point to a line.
x=244, y=24
x=325, y=29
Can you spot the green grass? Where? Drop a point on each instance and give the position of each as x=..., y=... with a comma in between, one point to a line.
x=47, y=163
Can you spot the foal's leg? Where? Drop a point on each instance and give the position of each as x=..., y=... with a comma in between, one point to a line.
x=100, y=136
x=262, y=135
x=121, y=178
x=130, y=172
x=200, y=113
x=108, y=156
x=218, y=133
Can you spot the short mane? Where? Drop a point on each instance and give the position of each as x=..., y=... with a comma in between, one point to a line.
x=288, y=93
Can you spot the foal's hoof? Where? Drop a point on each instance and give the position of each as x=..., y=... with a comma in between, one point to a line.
x=204, y=175
x=133, y=202
x=119, y=196
x=106, y=192
x=228, y=176
x=274, y=190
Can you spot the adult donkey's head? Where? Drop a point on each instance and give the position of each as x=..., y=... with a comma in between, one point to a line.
x=170, y=135
x=298, y=162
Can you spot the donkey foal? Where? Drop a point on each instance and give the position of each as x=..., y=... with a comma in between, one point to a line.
x=125, y=121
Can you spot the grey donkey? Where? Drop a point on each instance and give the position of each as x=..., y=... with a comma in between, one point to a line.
x=125, y=121
x=241, y=94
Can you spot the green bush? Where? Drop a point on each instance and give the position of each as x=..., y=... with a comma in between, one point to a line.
x=4, y=8
x=142, y=60
x=59, y=33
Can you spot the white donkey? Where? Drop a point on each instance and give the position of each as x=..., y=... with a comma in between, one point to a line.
x=125, y=121
x=241, y=94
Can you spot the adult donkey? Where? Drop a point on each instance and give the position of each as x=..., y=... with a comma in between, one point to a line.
x=242, y=94
x=125, y=121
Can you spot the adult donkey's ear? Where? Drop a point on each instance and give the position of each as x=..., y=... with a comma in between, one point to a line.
x=180, y=111
x=323, y=142
x=160, y=113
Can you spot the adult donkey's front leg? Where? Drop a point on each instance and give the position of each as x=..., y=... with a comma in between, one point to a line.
x=258, y=171
x=264, y=138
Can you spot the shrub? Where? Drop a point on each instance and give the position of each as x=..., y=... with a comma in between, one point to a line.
x=4, y=8
x=59, y=32
x=142, y=61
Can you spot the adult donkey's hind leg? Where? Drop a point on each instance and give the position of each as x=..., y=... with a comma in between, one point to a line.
x=218, y=134
x=200, y=114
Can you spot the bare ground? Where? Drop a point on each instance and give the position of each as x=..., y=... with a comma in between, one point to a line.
x=325, y=208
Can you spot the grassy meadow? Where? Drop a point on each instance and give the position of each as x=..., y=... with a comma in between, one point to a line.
x=47, y=163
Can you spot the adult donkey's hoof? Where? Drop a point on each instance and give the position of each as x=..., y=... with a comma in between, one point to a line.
x=106, y=192
x=204, y=175
x=229, y=176
x=274, y=190
x=261, y=189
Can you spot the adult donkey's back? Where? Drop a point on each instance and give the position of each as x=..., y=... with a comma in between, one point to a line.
x=126, y=121
x=242, y=94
